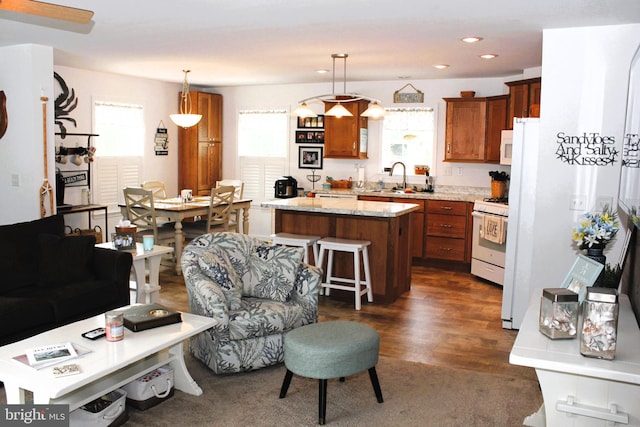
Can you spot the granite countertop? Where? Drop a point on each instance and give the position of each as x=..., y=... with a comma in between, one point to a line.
x=343, y=206
x=463, y=194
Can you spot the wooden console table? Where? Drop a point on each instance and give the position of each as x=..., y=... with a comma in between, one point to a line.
x=577, y=390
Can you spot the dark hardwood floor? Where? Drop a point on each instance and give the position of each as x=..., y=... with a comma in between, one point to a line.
x=448, y=318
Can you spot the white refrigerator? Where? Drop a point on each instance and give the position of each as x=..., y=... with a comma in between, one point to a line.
x=522, y=201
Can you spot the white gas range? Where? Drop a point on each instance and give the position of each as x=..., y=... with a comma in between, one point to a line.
x=489, y=239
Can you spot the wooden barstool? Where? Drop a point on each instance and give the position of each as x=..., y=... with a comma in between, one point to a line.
x=300, y=240
x=356, y=247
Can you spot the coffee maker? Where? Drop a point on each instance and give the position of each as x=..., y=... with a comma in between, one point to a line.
x=286, y=187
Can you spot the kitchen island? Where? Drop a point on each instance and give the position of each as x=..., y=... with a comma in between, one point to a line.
x=386, y=225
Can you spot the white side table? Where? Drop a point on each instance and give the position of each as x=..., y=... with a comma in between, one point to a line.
x=145, y=292
x=580, y=391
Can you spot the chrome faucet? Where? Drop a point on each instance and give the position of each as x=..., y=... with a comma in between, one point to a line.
x=404, y=173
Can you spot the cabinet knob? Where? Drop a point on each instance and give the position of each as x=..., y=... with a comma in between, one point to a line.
x=446, y=226
x=446, y=208
x=449, y=148
x=354, y=146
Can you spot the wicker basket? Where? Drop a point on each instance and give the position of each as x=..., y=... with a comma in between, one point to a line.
x=341, y=183
x=96, y=232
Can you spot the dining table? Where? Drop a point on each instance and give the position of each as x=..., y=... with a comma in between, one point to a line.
x=176, y=210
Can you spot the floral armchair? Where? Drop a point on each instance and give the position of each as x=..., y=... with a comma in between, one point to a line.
x=256, y=291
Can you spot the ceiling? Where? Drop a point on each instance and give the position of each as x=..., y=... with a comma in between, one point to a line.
x=256, y=42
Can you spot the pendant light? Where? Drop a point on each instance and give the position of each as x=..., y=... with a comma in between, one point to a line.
x=374, y=111
x=185, y=119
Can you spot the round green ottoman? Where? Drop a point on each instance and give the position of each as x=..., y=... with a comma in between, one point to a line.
x=326, y=350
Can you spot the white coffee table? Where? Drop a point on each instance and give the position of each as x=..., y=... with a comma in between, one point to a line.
x=108, y=366
x=145, y=292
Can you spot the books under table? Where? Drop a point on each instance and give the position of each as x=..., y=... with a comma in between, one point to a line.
x=140, y=317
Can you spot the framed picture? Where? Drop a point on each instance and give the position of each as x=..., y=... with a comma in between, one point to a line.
x=123, y=241
x=310, y=157
x=311, y=122
x=309, y=137
x=583, y=274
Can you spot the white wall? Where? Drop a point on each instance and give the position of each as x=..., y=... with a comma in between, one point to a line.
x=287, y=96
x=159, y=100
x=585, y=78
x=26, y=74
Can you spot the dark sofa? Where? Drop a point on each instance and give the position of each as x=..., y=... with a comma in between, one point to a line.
x=48, y=280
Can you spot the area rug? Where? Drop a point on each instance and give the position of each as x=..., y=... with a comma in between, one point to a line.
x=414, y=395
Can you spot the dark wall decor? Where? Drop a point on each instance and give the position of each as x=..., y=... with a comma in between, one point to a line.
x=4, y=118
x=588, y=149
x=65, y=103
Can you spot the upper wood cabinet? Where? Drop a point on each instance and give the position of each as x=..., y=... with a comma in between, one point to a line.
x=210, y=106
x=473, y=128
x=524, y=99
x=346, y=137
x=200, y=146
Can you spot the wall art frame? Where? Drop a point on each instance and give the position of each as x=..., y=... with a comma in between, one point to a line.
x=310, y=157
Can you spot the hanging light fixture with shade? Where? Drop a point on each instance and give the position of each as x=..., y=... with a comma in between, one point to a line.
x=374, y=111
x=184, y=118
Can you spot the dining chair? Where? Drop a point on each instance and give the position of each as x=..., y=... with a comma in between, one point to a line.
x=159, y=193
x=218, y=216
x=234, y=220
x=238, y=184
x=141, y=213
x=158, y=188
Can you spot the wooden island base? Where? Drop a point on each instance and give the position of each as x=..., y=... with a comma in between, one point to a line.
x=389, y=253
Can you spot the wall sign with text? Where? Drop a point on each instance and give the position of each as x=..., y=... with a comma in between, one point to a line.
x=587, y=149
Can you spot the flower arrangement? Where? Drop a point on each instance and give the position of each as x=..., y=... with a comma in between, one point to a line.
x=596, y=229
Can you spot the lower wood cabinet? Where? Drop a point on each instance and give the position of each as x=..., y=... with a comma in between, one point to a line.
x=448, y=235
x=440, y=229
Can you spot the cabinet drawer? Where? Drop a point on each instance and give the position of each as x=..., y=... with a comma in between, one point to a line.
x=444, y=248
x=446, y=225
x=446, y=207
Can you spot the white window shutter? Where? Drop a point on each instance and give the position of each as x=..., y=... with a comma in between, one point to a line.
x=113, y=174
x=259, y=175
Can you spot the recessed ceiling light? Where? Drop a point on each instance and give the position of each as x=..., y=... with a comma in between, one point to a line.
x=322, y=71
x=488, y=56
x=472, y=39
x=441, y=66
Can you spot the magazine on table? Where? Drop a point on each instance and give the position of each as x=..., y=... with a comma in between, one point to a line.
x=51, y=353
x=78, y=351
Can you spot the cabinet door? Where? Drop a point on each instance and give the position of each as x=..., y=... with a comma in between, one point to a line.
x=210, y=127
x=496, y=122
x=534, y=99
x=209, y=166
x=465, y=131
x=346, y=137
x=518, y=103
x=524, y=99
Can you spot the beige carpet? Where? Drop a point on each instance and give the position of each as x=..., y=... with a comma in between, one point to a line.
x=414, y=395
